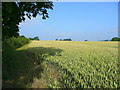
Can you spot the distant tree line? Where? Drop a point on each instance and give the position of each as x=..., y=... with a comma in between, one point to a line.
x=35, y=38
x=64, y=39
x=115, y=39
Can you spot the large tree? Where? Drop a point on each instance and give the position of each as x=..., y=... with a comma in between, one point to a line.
x=14, y=12
x=115, y=39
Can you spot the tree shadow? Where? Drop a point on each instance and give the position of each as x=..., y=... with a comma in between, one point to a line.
x=21, y=67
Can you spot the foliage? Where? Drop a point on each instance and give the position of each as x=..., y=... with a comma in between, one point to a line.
x=17, y=42
x=106, y=40
x=66, y=39
x=35, y=38
x=14, y=63
x=60, y=39
x=14, y=12
x=115, y=39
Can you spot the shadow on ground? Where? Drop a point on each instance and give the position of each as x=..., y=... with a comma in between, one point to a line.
x=21, y=67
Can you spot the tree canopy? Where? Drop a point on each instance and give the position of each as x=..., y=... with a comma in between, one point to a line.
x=115, y=39
x=65, y=39
x=14, y=12
x=35, y=38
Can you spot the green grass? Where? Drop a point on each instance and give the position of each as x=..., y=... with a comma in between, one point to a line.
x=71, y=64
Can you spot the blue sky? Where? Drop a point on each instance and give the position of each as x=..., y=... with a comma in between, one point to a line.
x=76, y=20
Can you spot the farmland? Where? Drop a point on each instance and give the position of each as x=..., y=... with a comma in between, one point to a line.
x=75, y=64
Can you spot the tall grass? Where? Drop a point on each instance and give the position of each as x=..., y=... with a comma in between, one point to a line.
x=12, y=61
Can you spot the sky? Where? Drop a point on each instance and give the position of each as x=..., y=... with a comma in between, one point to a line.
x=85, y=0
x=92, y=21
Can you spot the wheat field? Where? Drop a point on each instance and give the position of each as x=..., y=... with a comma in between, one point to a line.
x=77, y=64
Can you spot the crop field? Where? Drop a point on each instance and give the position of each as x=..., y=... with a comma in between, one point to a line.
x=76, y=64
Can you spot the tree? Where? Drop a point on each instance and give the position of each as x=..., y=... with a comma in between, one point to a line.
x=14, y=12
x=22, y=36
x=60, y=39
x=106, y=40
x=67, y=39
x=86, y=40
x=36, y=38
x=56, y=39
x=115, y=39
